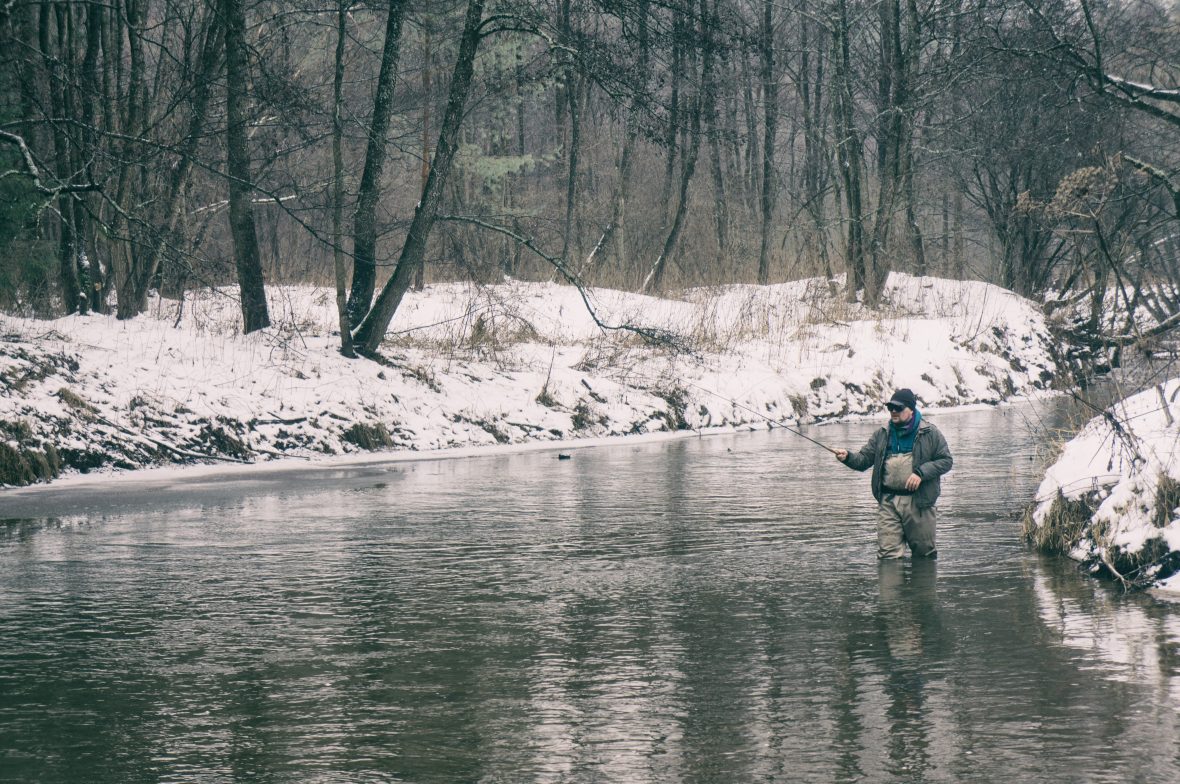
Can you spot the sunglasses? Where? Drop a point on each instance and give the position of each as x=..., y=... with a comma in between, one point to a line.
x=894, y=407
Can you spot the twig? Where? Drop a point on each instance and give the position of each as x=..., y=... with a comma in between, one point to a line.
x=1105, y=556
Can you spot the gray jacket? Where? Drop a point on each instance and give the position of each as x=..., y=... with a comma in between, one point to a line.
x=932, y=459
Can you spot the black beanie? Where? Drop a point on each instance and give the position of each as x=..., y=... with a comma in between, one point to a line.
x=904, y=397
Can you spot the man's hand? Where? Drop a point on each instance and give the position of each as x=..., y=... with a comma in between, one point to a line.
x=841, y=454
x=912, y=483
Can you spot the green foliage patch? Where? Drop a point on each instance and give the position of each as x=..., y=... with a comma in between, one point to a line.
x=27, y=262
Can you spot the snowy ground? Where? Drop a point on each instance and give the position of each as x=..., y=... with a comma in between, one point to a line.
x=513, y=363
x=1122, y=473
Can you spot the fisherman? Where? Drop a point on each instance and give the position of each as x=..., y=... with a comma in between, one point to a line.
x=907, y=457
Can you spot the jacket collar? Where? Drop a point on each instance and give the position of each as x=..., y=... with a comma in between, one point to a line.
x=923, y=425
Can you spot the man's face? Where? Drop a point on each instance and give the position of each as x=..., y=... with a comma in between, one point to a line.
x=899, y=416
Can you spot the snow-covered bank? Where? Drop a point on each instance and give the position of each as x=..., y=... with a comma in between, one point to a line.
x=1112, y=498
x=510, y=363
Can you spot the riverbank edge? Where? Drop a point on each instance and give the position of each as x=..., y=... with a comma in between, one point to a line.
x=1110, y=501
x=86, y=394
x=171, y=474
x=43, y=465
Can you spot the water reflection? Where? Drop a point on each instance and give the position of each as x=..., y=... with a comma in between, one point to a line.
x=908, y=609
x=1134, y=638
x=896, y=659
x=1113, y=638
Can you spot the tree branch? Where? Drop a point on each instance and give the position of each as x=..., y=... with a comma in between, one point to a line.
x=1160, y=176
x=33, y=172
x=652, y=335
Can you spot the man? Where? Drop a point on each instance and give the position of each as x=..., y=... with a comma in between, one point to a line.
x=907, y=457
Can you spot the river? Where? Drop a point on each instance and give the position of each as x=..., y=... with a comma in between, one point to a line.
x=700, y=610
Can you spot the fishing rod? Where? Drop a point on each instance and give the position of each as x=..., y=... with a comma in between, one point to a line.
x=755, y=412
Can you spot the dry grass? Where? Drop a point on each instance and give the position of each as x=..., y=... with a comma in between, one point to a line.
x=75, y=402
x=1066, y=523
x=25, y=466
x=369, y=437
x=1167, y=499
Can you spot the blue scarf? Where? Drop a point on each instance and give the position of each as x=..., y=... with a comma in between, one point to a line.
x=901, y=437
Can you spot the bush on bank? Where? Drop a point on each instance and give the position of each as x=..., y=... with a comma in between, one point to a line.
x=1111, y=500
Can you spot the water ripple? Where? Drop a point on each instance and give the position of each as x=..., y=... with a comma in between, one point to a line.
x=703, y=610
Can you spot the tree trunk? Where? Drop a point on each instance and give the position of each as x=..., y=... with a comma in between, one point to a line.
x=672, y=132
x=750, y=169
x=90, y=94
x=909, y=67
x=67, y=268
x=655, y=276
x=241, y=184
x=944, y=241
x=914, y=231
x=104, y=244
x=959, y=244
x=731, y=139
x=364, y=227
x=520, y=110
x=67, y=21
x=849, y=154
x=614, y=238
x=141, y=278
x=654, y=281
x=571, y=94
x=123, y=256
x=375, y=324
x=770, y=129
x=816, y=171
x=427, y=98
x=890, y=142
x=338, y=264
x=720, y=203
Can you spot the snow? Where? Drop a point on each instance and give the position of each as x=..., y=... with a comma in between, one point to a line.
x=1120, y=459
x=508, y=364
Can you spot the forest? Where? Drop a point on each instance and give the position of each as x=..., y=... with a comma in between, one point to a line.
x=644, y=145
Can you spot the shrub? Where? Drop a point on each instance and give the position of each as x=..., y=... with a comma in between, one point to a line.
x=368, y=437
x=1064, y=525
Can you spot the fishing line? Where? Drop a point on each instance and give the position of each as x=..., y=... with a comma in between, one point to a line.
x=778, y=422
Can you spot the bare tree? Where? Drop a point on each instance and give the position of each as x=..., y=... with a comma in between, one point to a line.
x=372, y=330
x=693, y=104
x=338, y=265
x=770, y=136
x=241, y=184
x=364, y=230
x=133, y=296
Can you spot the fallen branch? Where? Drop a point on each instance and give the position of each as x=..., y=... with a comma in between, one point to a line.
x=163, y=445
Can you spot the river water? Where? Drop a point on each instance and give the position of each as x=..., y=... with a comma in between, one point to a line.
x=701, y=610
